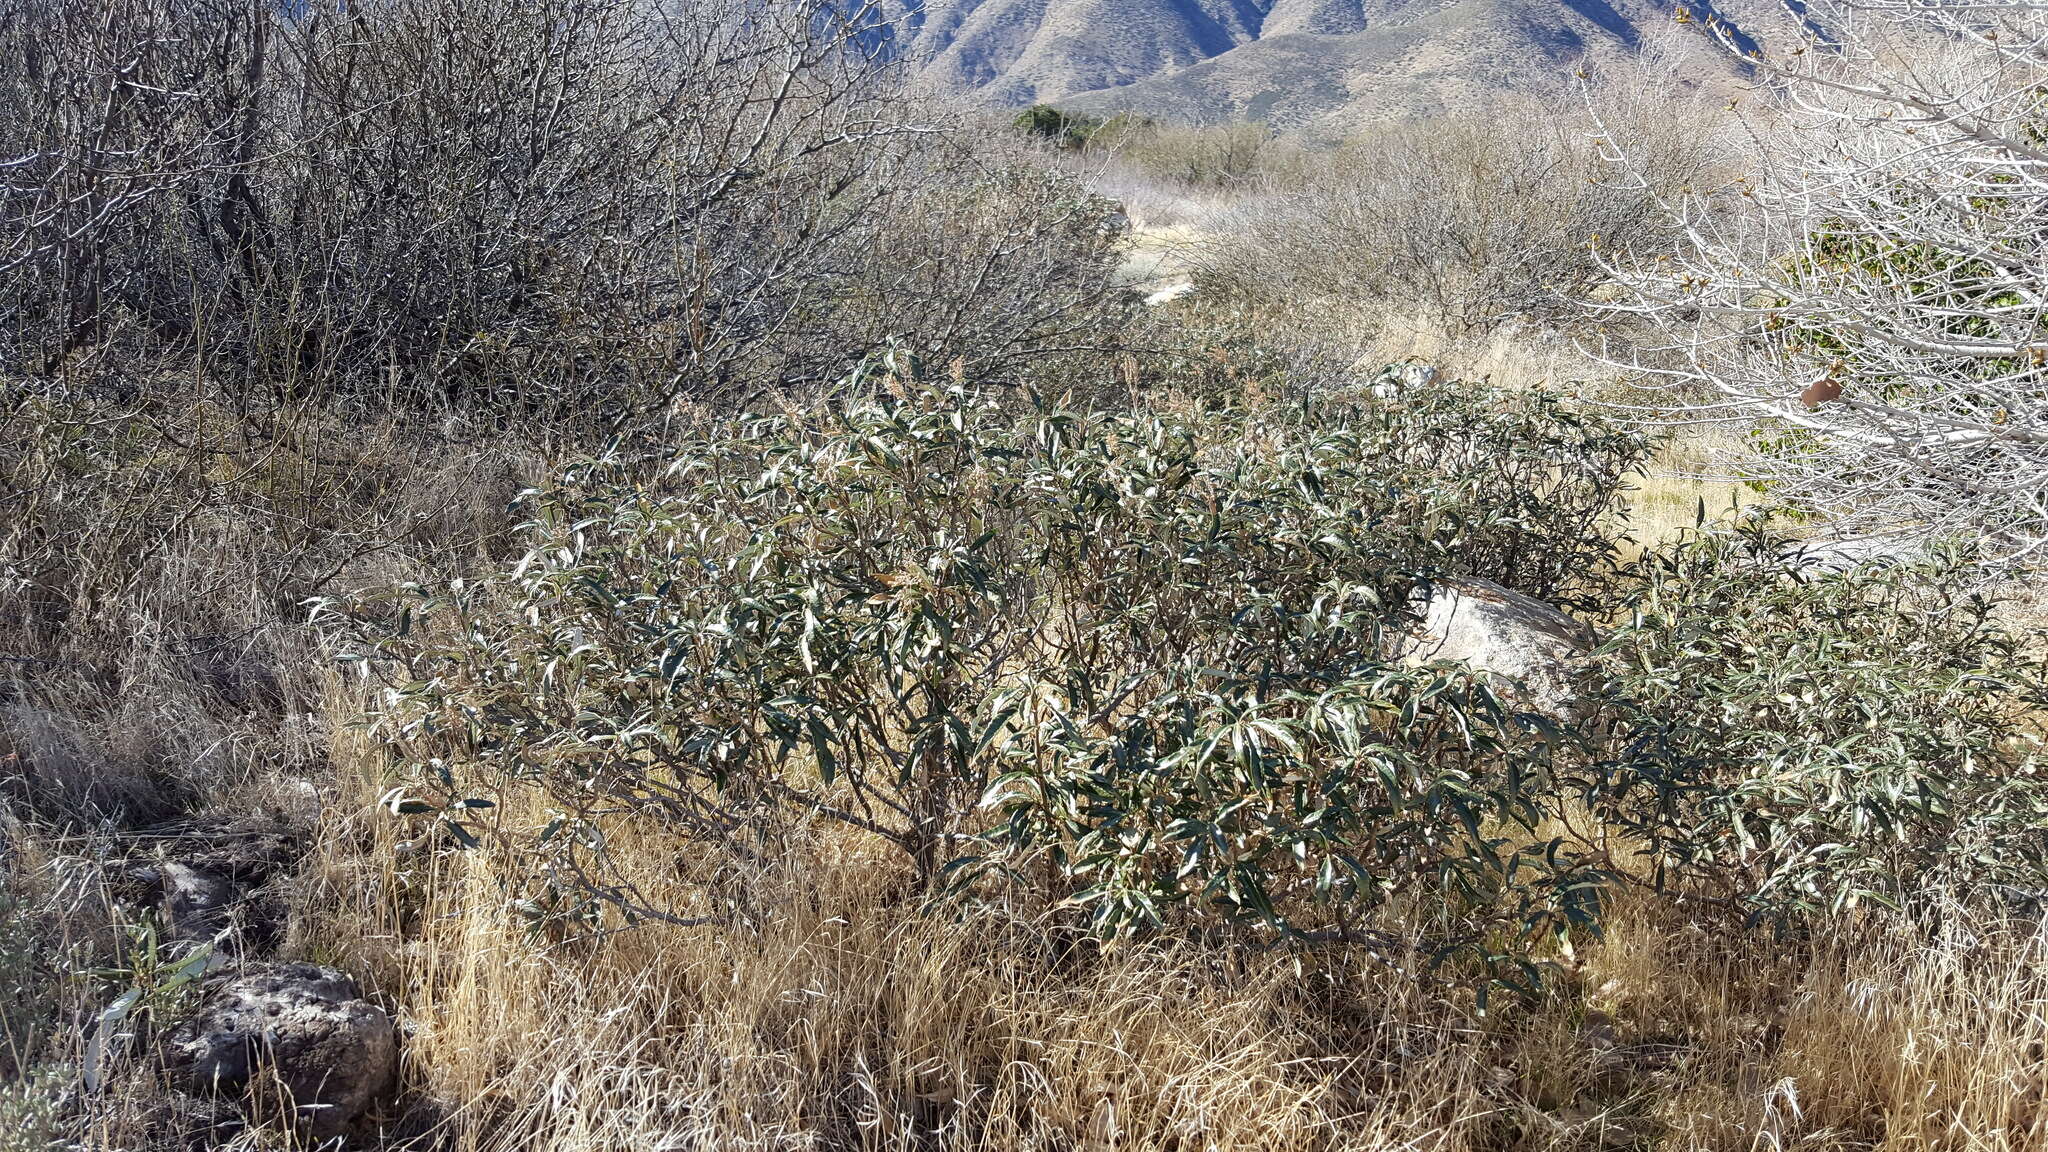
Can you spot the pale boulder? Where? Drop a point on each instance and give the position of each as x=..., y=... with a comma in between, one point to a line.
x=1169, y=294
x=1530, y=651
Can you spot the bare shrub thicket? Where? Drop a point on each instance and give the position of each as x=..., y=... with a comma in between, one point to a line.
x=539, y=203
x=1240, y=155
x=248, y=249
x=1876, y=308
x=1466, y=223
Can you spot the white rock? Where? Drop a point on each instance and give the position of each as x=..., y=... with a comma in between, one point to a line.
x=1404, y=377
x=299, y=800
x=1170, y=293
x=1529, y=650
x=1416, y=374
x=196, y=901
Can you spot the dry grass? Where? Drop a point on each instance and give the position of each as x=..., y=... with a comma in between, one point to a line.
x=841, y=1016
x=1684, y=486
x=838, y=1014
x=1509, y=354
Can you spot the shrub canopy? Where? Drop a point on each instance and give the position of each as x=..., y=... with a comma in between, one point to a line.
x=1138, y=662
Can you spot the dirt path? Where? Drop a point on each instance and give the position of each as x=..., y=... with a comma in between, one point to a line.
x=1159, y=257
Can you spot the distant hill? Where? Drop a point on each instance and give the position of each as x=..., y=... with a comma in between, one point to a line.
x=1312, y=65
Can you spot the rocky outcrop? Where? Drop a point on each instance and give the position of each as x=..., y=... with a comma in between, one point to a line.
x=304, y=1028
x=1530, y=651
x=196, y=901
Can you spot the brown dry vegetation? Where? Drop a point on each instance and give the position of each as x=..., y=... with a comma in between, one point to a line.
x=843, y=1018
x=840, y=1013
x=167, y=516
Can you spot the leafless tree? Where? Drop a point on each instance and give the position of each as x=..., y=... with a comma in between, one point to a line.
x=536, y=203
x=1876, y=308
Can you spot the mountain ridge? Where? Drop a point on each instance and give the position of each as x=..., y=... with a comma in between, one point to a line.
x=1314, y=66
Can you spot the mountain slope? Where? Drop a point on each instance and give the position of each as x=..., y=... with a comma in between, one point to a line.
x=1314, y=65
x=1023, y=51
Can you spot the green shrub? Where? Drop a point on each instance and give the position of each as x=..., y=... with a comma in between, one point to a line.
x=1526, y=480
x=32, y=1109
x=1068, y=130
x=1146, y=645
x=1785, y=739
x=1135, y=663
x=1339, y=806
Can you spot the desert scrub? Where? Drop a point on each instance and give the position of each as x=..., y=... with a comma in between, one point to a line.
x=1132, y=664
x=1786, y=739
x=1130, y=659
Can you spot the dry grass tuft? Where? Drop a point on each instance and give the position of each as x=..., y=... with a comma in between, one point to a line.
x=838, y=1014
x=1686, y=481
x=841, y=1016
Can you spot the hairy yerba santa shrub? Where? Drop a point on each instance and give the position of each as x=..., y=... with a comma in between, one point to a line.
x=1787, y=739
x=1525, y=477
x=1128, y=658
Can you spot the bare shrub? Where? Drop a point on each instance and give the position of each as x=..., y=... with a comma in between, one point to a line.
x=989, y=260
x=1477, y=220
x=1241, y=155
x=535, y=206
x=1875, y=310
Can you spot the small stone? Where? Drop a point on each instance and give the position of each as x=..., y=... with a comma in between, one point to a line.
x=1169, y=294
x=300, y=801
x=332, y=1051
x=196, y=902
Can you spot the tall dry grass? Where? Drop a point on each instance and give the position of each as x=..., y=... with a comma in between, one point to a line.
x=840, y=1015
x=158, y=689
x=838, y=1012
